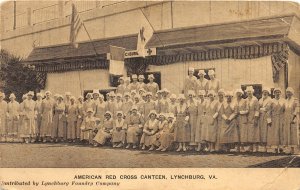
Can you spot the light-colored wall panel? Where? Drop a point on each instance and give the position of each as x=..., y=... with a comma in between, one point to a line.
x=70, y=81
x=232, y=73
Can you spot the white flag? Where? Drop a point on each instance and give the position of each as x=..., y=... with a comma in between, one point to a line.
x=116, y=62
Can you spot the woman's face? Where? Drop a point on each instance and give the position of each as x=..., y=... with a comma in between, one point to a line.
x=289, y=94
x=249, y=93
x=191, y=73
x=126, y=98
x=181, y=101
x=141, y=80
x=161, y=118
x=95, y=96
x=127, y=82
x=265, y=94
x=121, y=81
x=170, y=119
x=107, y=116
x=134, y=111
x=201, y=97
x=89, y=114
x=72, y=101
x=190, y=96
x=118, y=98
x=277, y=94
x=1, y=98
x=212, y=77
x=136, y=100
x=59, y=100
x=221, y=96
x=29, y=97
x=211, y=97
x=152, y=116
x=39, y=98
x=134, y=80
x=112, y=98
x=11, y=99
x=80, y=100
x=150, y=79
x=228, y=98
x=119, y=116
x=201, y=76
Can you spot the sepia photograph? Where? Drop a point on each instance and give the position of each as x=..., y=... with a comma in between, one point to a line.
x=149, y=84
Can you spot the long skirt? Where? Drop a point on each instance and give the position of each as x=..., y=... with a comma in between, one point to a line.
x=243, y=128
x=182, y=132
x=78, y=130
x=102, y=136
x=133, y=133
x=38, y=124
x=212, y=129
x=118, y=136
x=253, y=133
x=228, y=132
x=59, y=127
x=194, y=126
x=200, y=129
x=46, y=125
x=71, y=129
x=273, y=136
x=166, y=139
x=289, y=132
x=12, y=126
x=148, y=140
x=3, y=125
x=263, y=125
x=28, y=129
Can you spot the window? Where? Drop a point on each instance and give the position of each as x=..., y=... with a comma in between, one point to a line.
x=113, y=80
x=257, y=90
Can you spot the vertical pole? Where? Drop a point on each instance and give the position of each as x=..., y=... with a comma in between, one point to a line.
x=29, y=18
x=15, y=15
x=172, y=24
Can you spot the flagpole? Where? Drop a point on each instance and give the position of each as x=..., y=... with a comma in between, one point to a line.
x=90, y=38
x=73, y=4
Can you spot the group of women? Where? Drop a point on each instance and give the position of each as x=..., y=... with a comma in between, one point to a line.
x=138, y=115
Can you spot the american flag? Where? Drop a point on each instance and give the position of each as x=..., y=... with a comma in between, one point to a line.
x=76, y=24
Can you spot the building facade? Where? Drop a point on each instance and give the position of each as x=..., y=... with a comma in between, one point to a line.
x=260, y=40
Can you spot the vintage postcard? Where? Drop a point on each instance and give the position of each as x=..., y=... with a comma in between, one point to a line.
x=149, y=94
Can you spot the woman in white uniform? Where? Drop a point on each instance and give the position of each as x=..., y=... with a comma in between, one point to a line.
x=290, y=133
x=3, y=111
x=13, y=113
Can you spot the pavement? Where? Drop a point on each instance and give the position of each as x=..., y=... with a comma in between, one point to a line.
x=20, y=155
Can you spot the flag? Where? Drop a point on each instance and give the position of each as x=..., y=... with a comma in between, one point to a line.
x=76, y=24
x=116, y=63
x=279, y=60
x=144, y=35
